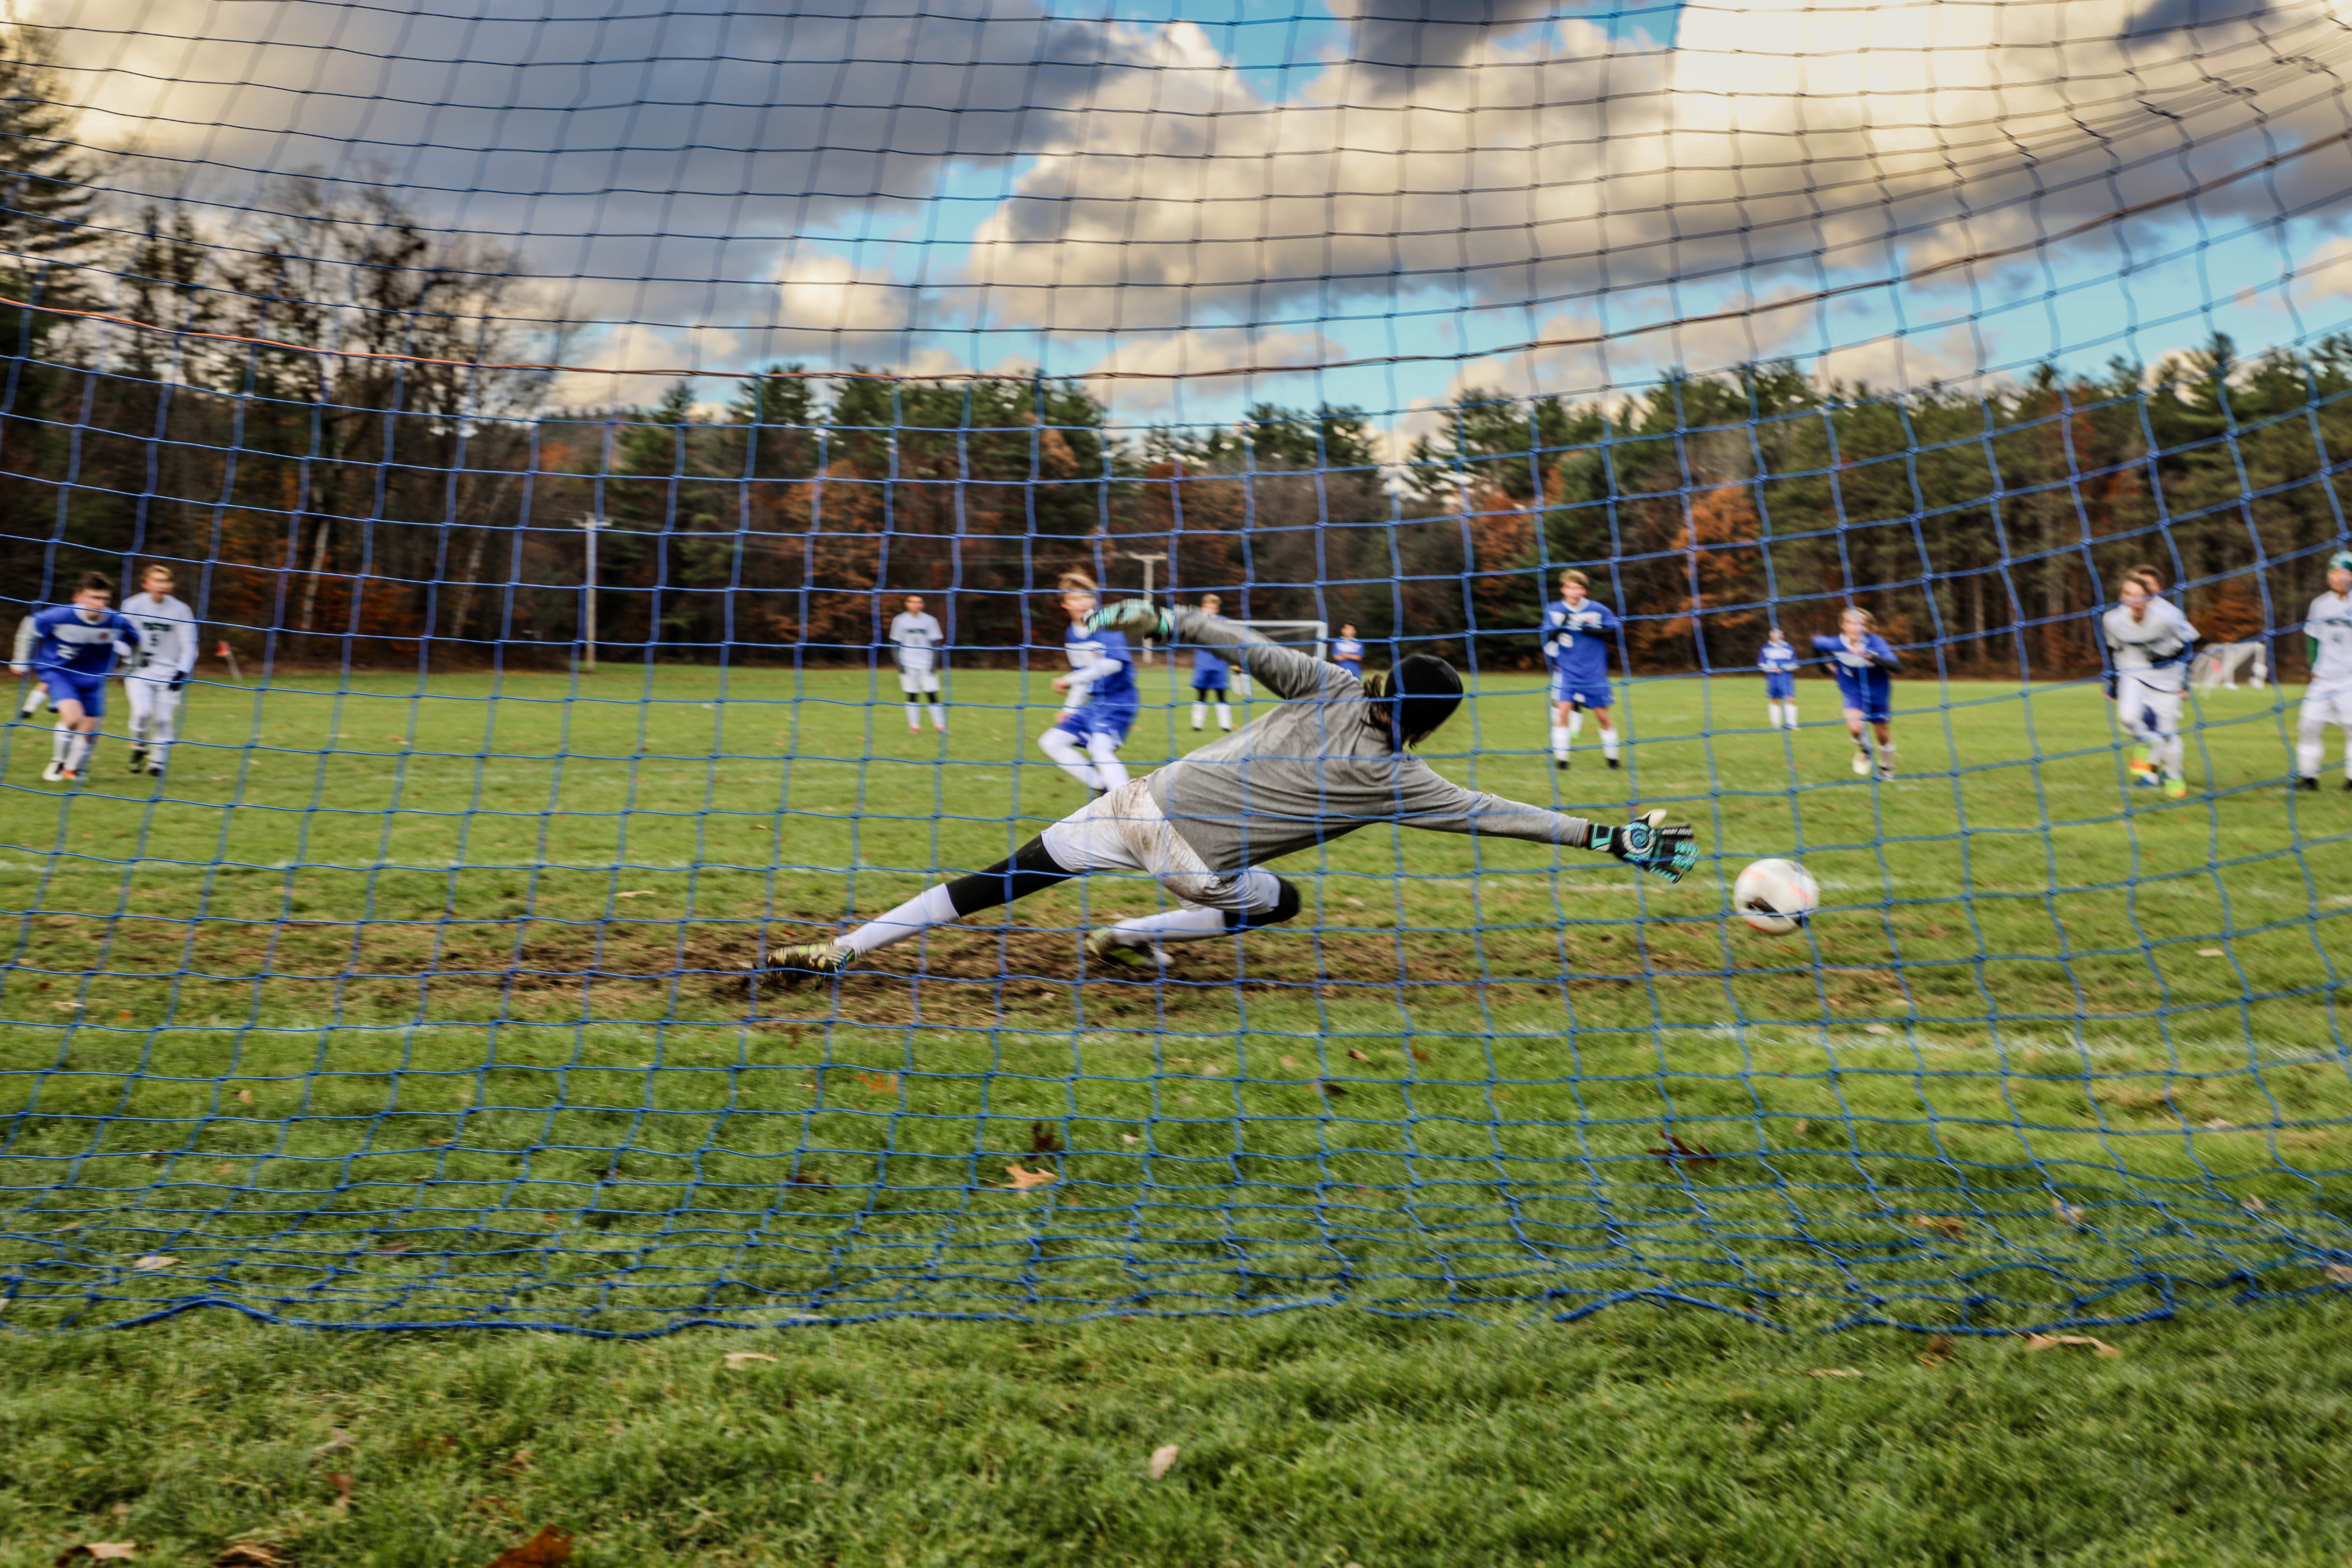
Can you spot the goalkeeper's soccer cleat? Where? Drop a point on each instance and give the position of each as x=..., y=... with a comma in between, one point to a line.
x=1104, y=946
x=1649, y=843
x=816, y=959
x=1139, y=617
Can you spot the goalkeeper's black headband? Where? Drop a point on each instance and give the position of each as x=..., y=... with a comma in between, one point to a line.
x=1418, y=696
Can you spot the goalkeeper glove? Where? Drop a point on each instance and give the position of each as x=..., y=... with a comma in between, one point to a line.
x=1649, y=843
x=1139, y=617
x=179, y=678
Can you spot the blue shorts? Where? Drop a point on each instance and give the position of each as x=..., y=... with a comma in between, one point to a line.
x=1095, y=719
x=1209, y=680
x=1593, y=696
x=1876, y=709
x=76, y=686
x=1779, y=687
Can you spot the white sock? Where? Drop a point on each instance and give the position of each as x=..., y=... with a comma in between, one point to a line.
x=77, y=751
x=1609, y=744
x=1224, y=716
x=914, y=715
x=939, y=716
x=2310, y=751
x=32, y=703
x=1575, y=722
x=1107, y=767
x=1887, y=753
x=927, y=909
x=1789, y=712
x=1058, y=745
x=61, y=742
x=1560, y=735
x=1173, y=925
x=1199, y=714
x=1772, y=715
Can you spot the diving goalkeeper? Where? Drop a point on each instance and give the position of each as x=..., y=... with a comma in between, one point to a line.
x=1333, y=757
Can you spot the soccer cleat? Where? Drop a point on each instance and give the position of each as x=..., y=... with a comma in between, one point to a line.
x=1615, y=763
x=154, y=770
x=1860, y=765
x=69, y=776
x=2347, y=783
x=56, y=774
x=1560, y=764
x=138, y=759
x=2309, y=781
x=816, y=959
x=1887, y=773
x=1104, y=946
x=2176, y=787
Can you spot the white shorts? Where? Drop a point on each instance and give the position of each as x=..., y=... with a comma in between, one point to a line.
x=2148, y=712
x=2325, y=705
x=1124, y=831
x=928, y=681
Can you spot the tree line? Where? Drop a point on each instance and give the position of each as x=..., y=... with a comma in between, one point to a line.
x=394, y=496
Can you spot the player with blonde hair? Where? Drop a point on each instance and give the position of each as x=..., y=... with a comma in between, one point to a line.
x=2328, y=699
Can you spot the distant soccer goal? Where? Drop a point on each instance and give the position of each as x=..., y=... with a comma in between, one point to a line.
x=671, y=832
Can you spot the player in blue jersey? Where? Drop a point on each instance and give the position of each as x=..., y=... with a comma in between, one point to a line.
x=1779, y=663
x=1863, y=663
x=1102, y=701
x=1577, y=632
x=73, y=653
x=1348, y=651
x=1211, y=673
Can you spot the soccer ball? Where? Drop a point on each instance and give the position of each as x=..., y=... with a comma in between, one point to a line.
x=1774, y=896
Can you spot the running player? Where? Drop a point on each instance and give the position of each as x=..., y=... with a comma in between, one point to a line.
x=1577, y=632
x=1211, y=673
x=917, y=637
x=1863, y=663
x=2149, y=644
x=20, y=660
x=2328, y=699
x=1779, y=663
x=1348, y=651
x=1085, y=738
x=1330, y=758
x=156, y=674
x=73, y=649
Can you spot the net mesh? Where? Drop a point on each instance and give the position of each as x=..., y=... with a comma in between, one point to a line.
x=544, y=410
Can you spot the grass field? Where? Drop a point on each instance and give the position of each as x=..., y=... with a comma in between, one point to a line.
x=418, y=1004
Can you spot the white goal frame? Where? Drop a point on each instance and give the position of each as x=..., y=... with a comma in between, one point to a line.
x=2220, y=665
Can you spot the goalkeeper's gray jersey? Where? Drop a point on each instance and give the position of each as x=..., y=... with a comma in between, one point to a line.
x=1317, y=767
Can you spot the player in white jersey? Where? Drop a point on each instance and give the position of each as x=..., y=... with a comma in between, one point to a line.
x=2328, y=699
x=154, y=677
x=2149, y=644
x=918, y=638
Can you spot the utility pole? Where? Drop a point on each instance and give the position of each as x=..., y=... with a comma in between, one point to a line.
x=589, y=524
x=1149, y=562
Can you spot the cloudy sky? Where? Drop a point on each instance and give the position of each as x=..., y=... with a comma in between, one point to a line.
x=1154, y=192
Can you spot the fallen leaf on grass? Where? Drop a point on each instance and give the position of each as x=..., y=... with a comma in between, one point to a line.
x=245, y=1096
x=1210, y=1070
x=2257, y=1206
x=123, y=1016
x=153, y=1261
x=1800, y=1130
x=738, y=1359
x=341, y=1480
x=545, y=1549
x=1290, y=1061
x=2068, y=1214
x=1945, y=1225
x=1688, y=1153
x=1044, y=1139
x=1359, y=1055
x=1833, y=1372
x=1024, y=1180
x=809, y=1176
x=1940, y=1349
x=2217, y=1123
x=1128, y=1137
x=2049, y=1342
x=1876, y=1029
x=1419, y=1055
x=1330, y=1090
x=392, y=1246
x=248, y=1554
x=99, y=1552
x=1162, y=1460
x=2210, y=952
x=881, y=1082
x=636, y=893
x=336, y=1439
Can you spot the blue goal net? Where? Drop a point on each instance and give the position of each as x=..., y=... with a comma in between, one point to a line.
x=564, y=769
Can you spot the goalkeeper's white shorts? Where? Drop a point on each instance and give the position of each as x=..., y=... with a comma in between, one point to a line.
x=918, y=683
x=1124, y=831
x=2326, y=705
x=2148, y=713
